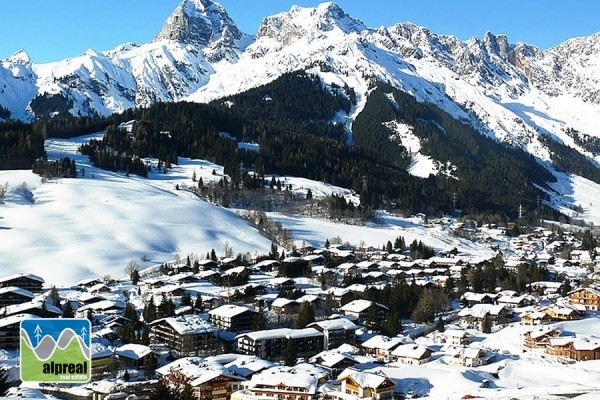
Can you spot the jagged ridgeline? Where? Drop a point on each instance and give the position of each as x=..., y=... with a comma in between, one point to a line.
x=292, y=118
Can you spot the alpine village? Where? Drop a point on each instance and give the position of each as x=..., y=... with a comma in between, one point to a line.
x=320, y=211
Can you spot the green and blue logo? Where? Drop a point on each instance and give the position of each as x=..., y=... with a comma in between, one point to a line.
x=56, y=350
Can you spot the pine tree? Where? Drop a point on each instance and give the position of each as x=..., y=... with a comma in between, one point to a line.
x=566, y=288
x=306, y=315
x=198, y=303
x=68, y=310
x=54, y=296
x=440, y=325
x=260, y=321
x=486, y=325
x=161, y=391
x=289, y=355
x=372, y=322
x=392, y=325
x=135, y=276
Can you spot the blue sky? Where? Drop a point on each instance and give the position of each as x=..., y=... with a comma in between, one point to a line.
x=53, y=30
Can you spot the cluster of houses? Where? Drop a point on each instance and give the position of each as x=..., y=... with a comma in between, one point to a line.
x=331, y=352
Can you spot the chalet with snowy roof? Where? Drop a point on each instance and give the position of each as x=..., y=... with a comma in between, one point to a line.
x=334, y=361
x=246, y=366
x=37, y=308
x=98, y=288
x=589, y=297
x=456, y=337
x=339, y=295
x=283, y=306
x=348, y=268
x=474, y=317
x=14, y=295
x=187, y=334
x=574, y=348
x=469, y=298
x=30, y=282
x=208, y=379
x=582, y=256
x=135, y=356
x=101, y=307
x=88, y=282
x=102, y=358
x=282, y=284
x=411, y=354
x=10, y=330
x=381, y=346
x=232, y=318
x=267, y=266
x=561, y=313
x=364, y=385
x=535, y=318
x=514, y=301
x=336, y=331
x=359, y=309
x=281, y=382
x=539, y=338
x=468, y=356
x=270, y=344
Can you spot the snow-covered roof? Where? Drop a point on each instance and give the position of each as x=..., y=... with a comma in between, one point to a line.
x=22, y=275
x=17, y=290
x=133, y=351
x=99, y=350
x=228, y=310
x=413, y=351
x=290, y=377
x=382, y=342
x=197, y=369
x=358, y=306
x=335, y=324
x=481, y=310
x=266, y=263
x=187, y=324
x=281, y=302
x=245, y=365
x=362, y=378
x=15, y=319
x=280, y=333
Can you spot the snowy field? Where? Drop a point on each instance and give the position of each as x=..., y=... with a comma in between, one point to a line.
x=70, y=229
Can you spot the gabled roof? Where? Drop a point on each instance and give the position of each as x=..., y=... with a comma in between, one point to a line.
x=133, y=351
x=481, y=310
x=365, y=379
x=335, y=324
x=16, y=290
x=413, y=351
x=382, y=342
x=286, y=377
x=22, y=275
x=197, y=370
x=187, y=324
x=228, y=310
x=359, y=305
x=280, y=333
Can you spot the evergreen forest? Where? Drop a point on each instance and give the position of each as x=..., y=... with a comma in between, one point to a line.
x=291, y=120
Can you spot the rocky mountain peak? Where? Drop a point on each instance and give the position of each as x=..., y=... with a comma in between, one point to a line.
x=20, y=57
x=287, y=27
x=498, y=45
x=198, y=22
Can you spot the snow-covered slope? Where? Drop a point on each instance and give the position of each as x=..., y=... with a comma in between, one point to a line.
x=70, y=229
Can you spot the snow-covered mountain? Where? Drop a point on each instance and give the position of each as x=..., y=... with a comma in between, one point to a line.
x=515, y=93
